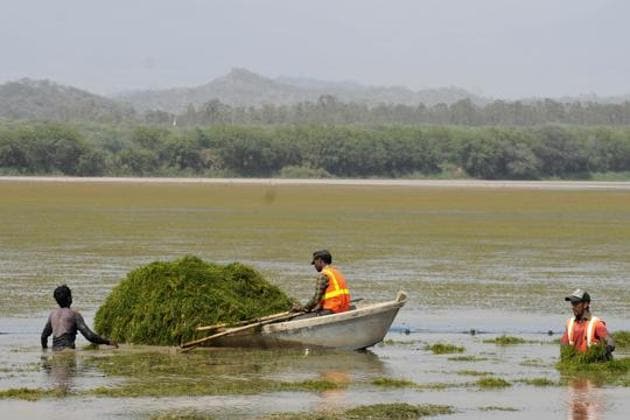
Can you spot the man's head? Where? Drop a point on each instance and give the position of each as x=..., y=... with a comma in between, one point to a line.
x=63, y=296
x=321, y=259
x=580, y=302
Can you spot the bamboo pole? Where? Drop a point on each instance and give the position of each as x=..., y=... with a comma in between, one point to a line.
x=235, y=324
x=195, y=343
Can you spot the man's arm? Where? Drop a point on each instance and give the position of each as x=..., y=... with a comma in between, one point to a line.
x=46, y=333
x=320, y=289
x=88, y=333
x=601, y=332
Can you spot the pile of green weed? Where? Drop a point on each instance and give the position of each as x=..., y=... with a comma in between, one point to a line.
x=163, y=302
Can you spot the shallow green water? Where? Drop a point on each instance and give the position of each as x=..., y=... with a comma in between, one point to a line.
x=509, y=249
x=498, y=261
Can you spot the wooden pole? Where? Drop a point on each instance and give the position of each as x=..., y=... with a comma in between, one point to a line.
x=195, y=343
x=235, y=324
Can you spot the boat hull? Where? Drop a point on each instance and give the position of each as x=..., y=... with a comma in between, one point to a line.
x=352, y=330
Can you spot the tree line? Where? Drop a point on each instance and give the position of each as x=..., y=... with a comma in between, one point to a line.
x=313, y=150
x=328, y=110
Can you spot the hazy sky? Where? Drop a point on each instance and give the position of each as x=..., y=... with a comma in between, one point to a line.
x=500, y=48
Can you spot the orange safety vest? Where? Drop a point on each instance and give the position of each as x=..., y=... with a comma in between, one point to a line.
x=590, y=333
x=337, y=296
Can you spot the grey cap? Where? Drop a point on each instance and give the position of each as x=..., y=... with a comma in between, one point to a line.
x=578, y=295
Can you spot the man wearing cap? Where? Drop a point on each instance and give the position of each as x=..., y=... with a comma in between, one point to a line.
x=583, y=329
x=331, y=290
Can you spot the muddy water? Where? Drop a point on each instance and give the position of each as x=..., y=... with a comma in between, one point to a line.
x=497, y=262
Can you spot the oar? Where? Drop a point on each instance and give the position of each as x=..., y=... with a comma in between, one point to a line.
x=195, y=343
x=235, y=324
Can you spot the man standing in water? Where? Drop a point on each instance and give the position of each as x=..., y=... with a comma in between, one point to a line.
x=583, y=329
x=331, y=290
x=63, y=323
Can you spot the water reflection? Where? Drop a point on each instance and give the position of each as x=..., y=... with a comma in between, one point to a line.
x=585, y=400
x=341, y=368
x=61, y=368
x=334, y=397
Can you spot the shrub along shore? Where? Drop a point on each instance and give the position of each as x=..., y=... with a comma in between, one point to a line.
x=315, y=151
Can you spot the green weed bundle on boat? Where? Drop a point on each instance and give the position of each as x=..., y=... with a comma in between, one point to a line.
x=163, y=302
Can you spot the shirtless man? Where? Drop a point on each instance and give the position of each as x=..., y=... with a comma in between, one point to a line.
x=63, y=323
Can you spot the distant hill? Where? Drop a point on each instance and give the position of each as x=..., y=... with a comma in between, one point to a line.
x=46, y=100
x=585, y=98
x=242, y=87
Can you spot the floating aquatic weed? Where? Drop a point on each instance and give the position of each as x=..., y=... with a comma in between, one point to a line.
x=317, y=415
x=313, y=385
x=487, y=383
x=497, y=408
x=392, y=382
x=32, y=394
x=162, y=303
x=438, y=386
x=161, y=373
x=473, y=372
x=390, y=342
x=538, y=381
x=469, y=358
x=444, y=348
x=397, y=411
x=505, y=340
x=174, y=387
x=375, y=411
x=622, y=338
x=534, y=363
x=182, y=415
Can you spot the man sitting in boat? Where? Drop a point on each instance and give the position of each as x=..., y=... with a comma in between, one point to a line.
x=331, y=290
x=584, y=329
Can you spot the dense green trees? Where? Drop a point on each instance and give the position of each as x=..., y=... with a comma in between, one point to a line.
x=47, y=148
x=328, y=110
x=314, y=150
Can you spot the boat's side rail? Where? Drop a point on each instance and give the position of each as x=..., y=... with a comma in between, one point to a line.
x=340, y=317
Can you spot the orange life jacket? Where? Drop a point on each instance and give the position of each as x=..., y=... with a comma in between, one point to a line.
x=589, y=339
x=337, y=296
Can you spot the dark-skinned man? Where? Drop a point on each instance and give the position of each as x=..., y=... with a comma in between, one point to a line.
x=331, y=290
x=583, y=329
x=63, y=323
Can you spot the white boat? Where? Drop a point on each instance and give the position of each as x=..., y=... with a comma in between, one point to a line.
x=355, y=329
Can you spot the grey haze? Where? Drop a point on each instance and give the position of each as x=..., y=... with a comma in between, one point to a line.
x=498, y=48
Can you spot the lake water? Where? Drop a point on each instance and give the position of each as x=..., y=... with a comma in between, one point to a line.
x=471, y=257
